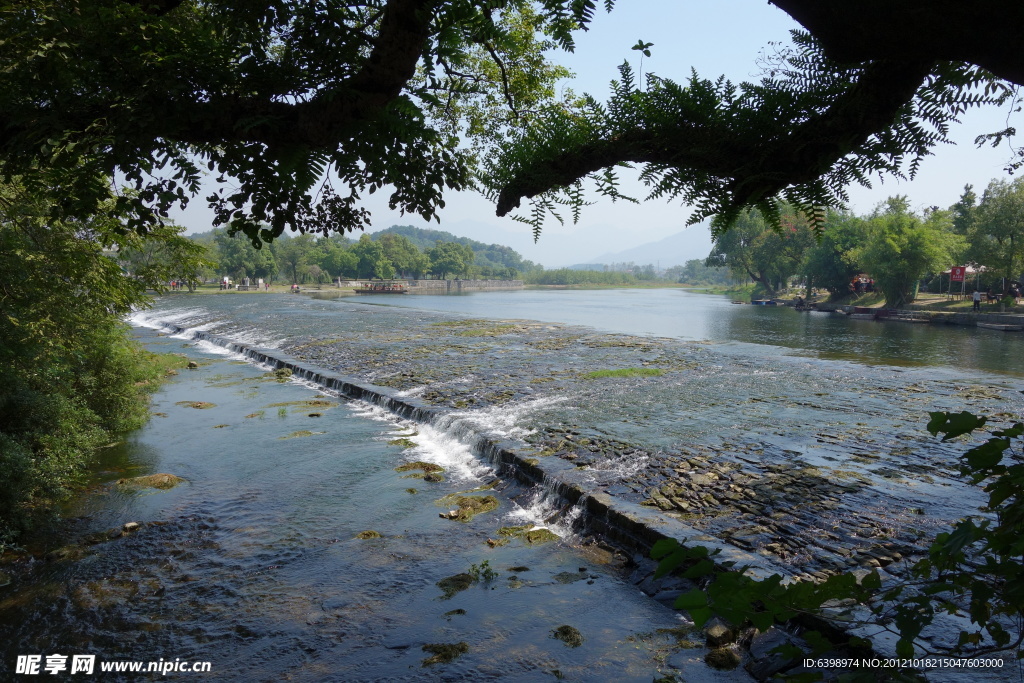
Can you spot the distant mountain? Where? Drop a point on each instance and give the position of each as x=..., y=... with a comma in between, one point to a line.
x=675, y=250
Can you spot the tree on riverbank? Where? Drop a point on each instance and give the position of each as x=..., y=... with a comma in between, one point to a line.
x=903, y=247
x=269, y=96
x=996, y=230
x=70, y=376
x=754, y=249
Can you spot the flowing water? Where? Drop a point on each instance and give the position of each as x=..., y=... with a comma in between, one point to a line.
x=255, y=565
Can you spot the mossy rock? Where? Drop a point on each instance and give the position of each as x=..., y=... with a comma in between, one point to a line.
x=369, y=533
x=455, y=584
x=539, y=536
x=528, y=534
x=402, y=442
x=151, y=481
x=198, y=405
x=471, y=506
x=568, y=635
x=722, y=658
x=282, y=374
x=444, y=653
x=433, y=477
x=411, y=490
x=427, y=467
x=308, y=403
x=299, y=434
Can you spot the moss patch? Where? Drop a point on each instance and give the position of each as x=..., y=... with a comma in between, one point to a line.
x=471, y=506
x=369, y=533
x=625, y=372
x=722, y=658
x=568, y=635
x=426, y=467
x=528, y=534
x=258, y=413
x=402, y=443
x=152, y=481
x=492, y=331
x=299, y=434
x=455, y=584
x=444, y=652
x=308, y=403
x=198, y=405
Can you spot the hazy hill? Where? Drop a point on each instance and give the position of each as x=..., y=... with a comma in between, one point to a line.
x=675, y=250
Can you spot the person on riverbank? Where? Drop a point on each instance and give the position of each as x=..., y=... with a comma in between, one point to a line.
x=977, y=300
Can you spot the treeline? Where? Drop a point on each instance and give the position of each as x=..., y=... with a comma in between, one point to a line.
x=901, y=250
x=71, y=377
x=570, y=276
x=693, y=272
x=399, y=251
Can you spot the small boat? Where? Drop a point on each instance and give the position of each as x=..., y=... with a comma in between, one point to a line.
x=997, y=326
x=382, y=288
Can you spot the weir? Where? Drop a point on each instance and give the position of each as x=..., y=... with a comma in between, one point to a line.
x=625, y=524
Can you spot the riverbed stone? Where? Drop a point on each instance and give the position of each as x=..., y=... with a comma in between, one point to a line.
x=718, y=633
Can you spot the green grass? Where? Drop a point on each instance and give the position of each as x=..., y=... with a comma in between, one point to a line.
x=625, y=372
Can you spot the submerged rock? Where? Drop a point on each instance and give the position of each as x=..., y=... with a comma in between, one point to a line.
x=568, y=635
x=369, y=533
x=151, y=481
x=722, y=658
x=444, y=652
x=455, y=584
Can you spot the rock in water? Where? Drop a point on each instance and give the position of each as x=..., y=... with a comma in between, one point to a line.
x=152, y=481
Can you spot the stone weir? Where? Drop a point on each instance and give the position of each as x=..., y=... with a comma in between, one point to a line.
x=625, y=524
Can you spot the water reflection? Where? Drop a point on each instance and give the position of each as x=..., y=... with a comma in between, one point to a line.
x=691, y=315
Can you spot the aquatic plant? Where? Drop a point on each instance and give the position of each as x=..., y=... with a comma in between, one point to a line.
x=483, y=572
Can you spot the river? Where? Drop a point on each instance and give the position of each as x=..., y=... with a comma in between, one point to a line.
x=255, y=563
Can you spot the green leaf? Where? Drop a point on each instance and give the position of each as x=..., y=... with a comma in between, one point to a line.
x=954, y=425
x=695, y=599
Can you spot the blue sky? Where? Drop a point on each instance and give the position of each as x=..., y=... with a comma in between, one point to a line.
x=720, y=38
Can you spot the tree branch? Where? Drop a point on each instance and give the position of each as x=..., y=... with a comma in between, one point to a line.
x=982, y=32
x=756, y=171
